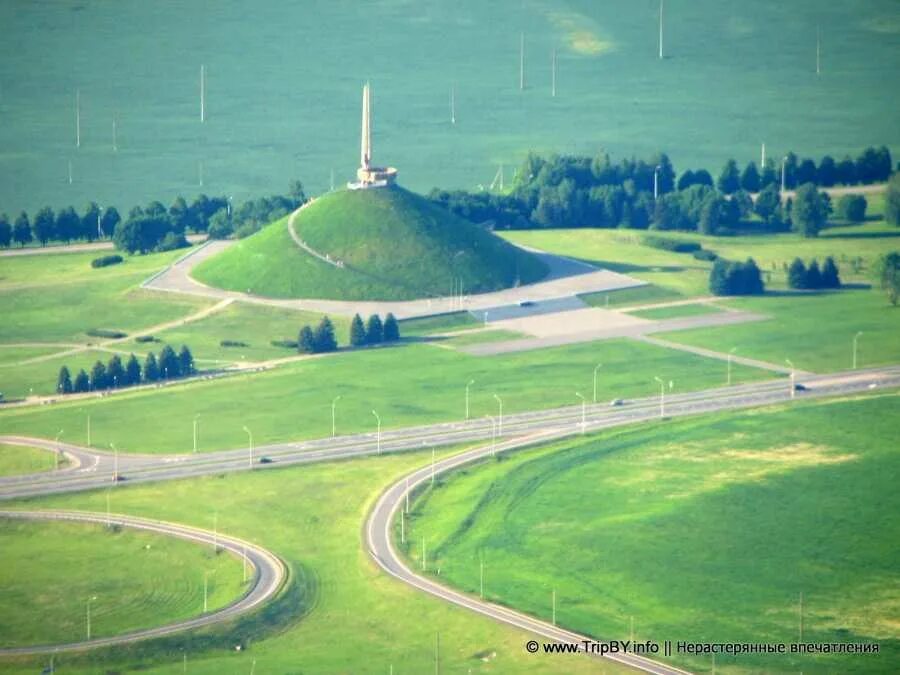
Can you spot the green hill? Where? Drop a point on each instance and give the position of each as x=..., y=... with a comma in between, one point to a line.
x=393, y=244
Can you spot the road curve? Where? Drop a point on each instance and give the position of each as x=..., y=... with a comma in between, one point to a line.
x=268, y=571
x=379, y=541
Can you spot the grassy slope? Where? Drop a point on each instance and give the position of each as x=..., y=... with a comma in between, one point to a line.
x=10, y=356
x=40, y=378
x=411, y=384
x=256, y=325
x=815, y=331
x=140, y=580
x=362, y=621
x=18, y=459
x=636, y=523
x=395, y=244
x=59, y=297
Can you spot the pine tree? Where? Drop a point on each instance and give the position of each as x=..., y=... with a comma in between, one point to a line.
x=98, y=376
x=115, y=373
x=306, y=341
x=357, y=332
x=168, y=363
x=151, y=368
x=730, y=178
x=813, y=275
x=82, y=382
x=391, y=328
x=830, y=275
x=323, y=338
x=750, y=178
x=797, y=274
x=64, y=381
x=374, y=330
x=132, y=371
x=185, y=362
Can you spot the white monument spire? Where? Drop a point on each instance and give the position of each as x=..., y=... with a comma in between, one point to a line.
x=365, y=152
x=367, y=175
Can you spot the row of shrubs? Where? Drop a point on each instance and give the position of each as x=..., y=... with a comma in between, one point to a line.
x=810, y=278
x=116, y=375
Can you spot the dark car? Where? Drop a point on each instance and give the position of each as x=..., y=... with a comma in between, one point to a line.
x=266, y=460
x=799, y=387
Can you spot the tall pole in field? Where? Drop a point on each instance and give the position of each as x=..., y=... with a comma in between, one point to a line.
x=469, y=384
x=90, y=600
x=793, y=377
x=596, y=368
x=378, y=432
x=334, y=415
x=196, y=430
x=500, y=418
x=77, y=119
x=202, y=93
x=250, y=437
x=553, y=73
x=856, y=347
x=762, y=159
x=662, y=397
x=660, y=29
x=522, y=62
x=583, y=411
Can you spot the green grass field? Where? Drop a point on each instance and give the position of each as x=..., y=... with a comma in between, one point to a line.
x=39, y=379
x=360, y=620
x=11, y=356
x=815, y=331
x=481, y=337
x=639, y=295
x=699, y=530
x=676, y=312
x=19, y=459
x=439, y=323
x=49, y=570
x=268, y=121
x=395, y=245
x=411, y=384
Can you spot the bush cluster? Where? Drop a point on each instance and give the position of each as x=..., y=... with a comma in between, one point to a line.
x=673, y=245
x=116, y=375
x=811, y=278
x=735, y=278
x=106, y=261
x=106, y=333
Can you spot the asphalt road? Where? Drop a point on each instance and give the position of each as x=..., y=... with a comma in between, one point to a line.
x=268, y=574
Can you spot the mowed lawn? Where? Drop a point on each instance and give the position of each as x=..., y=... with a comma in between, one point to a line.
x=702, y=530
x=48, y=571
x=814, y=330
x=19, y=459
x=40, y=378
x=408, y=384
x=53, y=298
x=359, y=619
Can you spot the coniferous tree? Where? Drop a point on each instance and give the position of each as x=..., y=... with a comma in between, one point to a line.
x=22, y=230
x=132, y=371
x=391, y=328
x=43, y=227
x=98, y=376
x=730, y=178
x=306, y=341
x=374, y=330
x=64, y=381
x=797, y=276
x=168, y=363
x=323, y=337
x=750, y=178
x=813, y=275
x=5, y=231
x=185, y=362
x=358, y=336
x=809, y=212
x=151, y=368
x=830, y=275
x=82, y=382
x=115, y=373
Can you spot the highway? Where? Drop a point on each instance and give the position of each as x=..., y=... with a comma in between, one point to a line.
x=267, y=570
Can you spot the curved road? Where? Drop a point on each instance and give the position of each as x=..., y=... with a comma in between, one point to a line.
x=268, y=575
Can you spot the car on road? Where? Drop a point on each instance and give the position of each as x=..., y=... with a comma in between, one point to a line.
x=800, y=387
x=266, y=460
x=527, y=303
x=616, y=402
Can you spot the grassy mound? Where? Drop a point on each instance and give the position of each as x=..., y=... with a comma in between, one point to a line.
x=394, y=245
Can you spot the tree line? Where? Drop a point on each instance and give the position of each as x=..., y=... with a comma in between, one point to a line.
x=580, y=191
x=321, y=339
x=151, y=227
x=116, y=375
x=812, y=278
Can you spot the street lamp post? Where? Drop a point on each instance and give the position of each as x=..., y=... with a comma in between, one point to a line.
x=730, y=354
x=196, y=417
x=493, y=434
x=469, y=384
x=115, y=462
x=793, y=378
x=662, y=397
x=333, y=418
x=500, y=418
x=583, y=411
x=378, y=432
x=90, y=600
x=250, y=436
x=855, y=347
x=596, y=368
